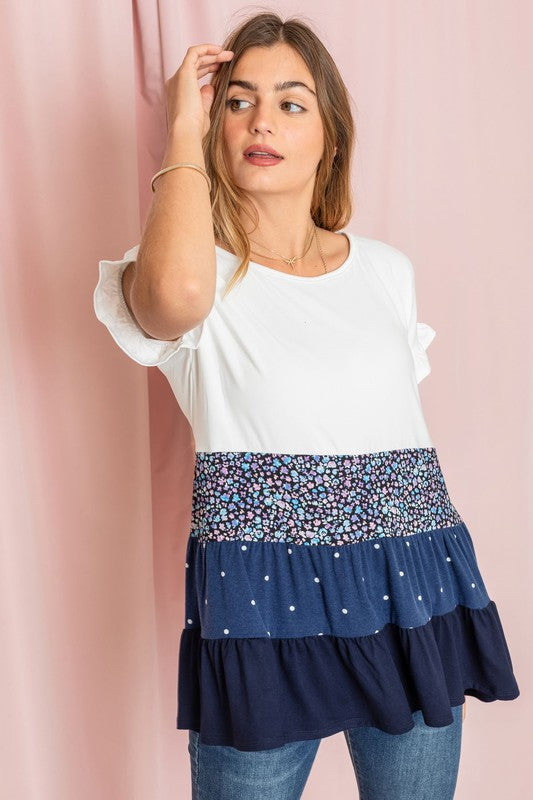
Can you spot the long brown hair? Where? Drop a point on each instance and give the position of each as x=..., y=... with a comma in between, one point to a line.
x=331, y=206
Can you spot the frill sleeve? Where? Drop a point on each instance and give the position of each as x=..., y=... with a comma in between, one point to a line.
x=111, y=309
x=420, y=333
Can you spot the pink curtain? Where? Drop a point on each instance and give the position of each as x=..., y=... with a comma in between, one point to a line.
x=97, y=457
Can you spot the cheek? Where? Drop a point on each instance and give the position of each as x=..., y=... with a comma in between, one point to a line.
x=225, y=132
x=303, y=139
x=306, y=151
x=230, y=135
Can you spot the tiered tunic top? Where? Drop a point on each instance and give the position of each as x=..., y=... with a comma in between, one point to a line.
x=330, y=582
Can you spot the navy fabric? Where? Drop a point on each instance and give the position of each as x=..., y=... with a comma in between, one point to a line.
x=252, y=588
x=258, y=693
x=288, y=642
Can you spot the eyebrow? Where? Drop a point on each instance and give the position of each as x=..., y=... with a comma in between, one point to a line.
x=278, y=87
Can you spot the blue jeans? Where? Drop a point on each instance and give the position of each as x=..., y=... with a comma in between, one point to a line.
x=421, y=764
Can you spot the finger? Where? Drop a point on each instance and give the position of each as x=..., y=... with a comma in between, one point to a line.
x=206, y=70
x=203, y=61
x=204, y=50
x=205, y=47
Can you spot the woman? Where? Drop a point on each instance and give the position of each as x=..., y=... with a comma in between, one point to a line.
x=331, y=585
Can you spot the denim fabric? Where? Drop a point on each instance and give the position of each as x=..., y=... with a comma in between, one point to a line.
x=421, y=764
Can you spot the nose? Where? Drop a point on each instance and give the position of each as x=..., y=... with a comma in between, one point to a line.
x=259, y=121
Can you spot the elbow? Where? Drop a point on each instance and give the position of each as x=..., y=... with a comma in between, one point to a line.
x=167, y=315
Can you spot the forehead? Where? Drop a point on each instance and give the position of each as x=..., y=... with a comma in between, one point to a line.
x=272, y=68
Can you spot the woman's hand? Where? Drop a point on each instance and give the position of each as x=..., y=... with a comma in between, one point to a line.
x=186, y=101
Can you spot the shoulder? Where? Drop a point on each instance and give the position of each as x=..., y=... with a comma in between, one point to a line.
x=382, y=252
x=389, y=262
x=391, y=267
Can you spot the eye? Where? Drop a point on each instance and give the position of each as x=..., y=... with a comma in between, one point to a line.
x=237, y=100
x=290, y=103
x=234, y=100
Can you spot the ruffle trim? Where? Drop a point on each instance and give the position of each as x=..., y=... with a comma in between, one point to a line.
x=424, y=336
x=111, y=309
x=259, y=693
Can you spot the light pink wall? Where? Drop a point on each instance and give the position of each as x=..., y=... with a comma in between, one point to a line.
x=96, y=468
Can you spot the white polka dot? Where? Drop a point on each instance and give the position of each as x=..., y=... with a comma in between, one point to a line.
x=291, y=608
x=204, y=545
x=344, y=610
x=455, y=535
x=336, y=555
x=473, y=586
x=420, y=597
x=377, y=546
x=289, y=551
x=430, y=538
x=401, y=573
x=441, y=589
x=410, y=627
x=186, y=565
x=385, y=596
x=267, y=578
x=376, y=631
x=206, y=600
x=408, y=544
x=268, y=633
x=252, y=602
x=321, y=634
x=222, y=573
x=317, y=580
x=226, y=630
x=189, y=621
x=362, y=579
x=243, y=547
x=448, y=558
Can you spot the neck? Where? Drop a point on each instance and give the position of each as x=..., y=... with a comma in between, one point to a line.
x=286, y=230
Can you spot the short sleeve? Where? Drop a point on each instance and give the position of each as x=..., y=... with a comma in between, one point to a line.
x=420, y=333
x=111, y=309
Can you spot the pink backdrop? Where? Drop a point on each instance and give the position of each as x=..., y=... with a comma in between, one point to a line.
x=97, y=457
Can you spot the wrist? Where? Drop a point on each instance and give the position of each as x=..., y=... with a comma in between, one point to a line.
x=184, y=143
x=185, y=129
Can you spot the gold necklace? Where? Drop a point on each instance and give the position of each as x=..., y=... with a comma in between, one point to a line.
x=290, y=261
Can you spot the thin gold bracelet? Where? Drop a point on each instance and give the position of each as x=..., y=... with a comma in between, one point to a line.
x=182, y=164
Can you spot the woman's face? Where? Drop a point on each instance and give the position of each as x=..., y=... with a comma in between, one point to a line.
x=287, y=120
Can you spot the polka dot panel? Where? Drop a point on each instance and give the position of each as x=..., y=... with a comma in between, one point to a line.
x=268, y=589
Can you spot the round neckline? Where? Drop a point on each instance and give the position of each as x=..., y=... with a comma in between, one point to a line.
x=304, y=278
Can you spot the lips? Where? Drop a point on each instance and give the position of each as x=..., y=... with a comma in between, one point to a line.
x=265, y=157
x=262, y=148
